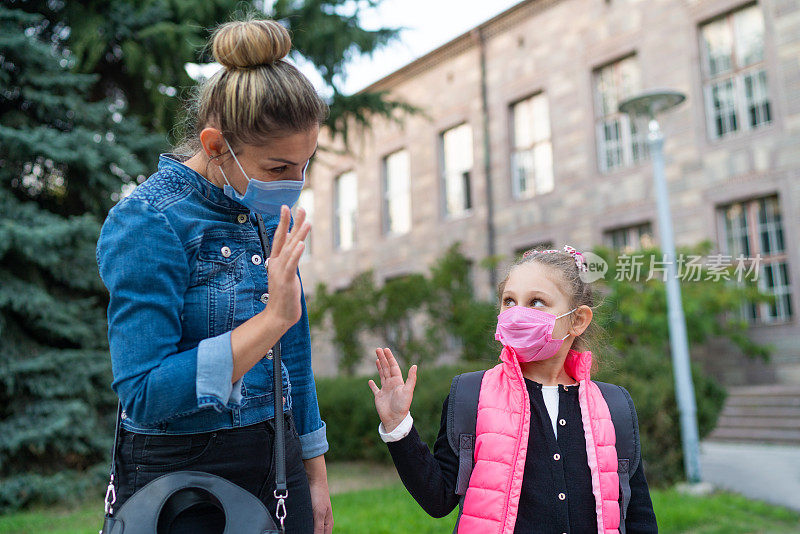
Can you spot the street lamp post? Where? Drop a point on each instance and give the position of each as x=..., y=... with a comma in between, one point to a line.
x=648, y=105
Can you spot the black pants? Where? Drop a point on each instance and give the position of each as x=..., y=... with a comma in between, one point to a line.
x=241, y=455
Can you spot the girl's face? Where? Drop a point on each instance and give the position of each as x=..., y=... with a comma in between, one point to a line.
x=533, y=285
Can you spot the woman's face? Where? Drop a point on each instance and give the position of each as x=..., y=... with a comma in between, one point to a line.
x=280, y=158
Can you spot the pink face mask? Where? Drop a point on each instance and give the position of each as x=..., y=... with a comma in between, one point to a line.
x=529, y=332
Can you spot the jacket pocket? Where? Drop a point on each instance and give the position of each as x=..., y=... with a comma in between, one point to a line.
x=220, y=264
x=258, y=387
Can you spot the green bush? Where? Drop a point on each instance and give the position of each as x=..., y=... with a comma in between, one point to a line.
x=647, y=375
x=347, y=407
x=444, y=301
x=634, y=310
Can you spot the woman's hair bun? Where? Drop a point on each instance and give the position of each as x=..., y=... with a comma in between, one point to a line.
x=250, y=43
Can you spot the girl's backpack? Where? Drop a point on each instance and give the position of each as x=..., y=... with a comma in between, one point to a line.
x=462, y=413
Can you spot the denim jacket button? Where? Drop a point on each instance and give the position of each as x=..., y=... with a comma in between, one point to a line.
x=256, y=259
x=226, y=252
x=241, y=218
x=124, y=415
x=264, y=298
x=269, y=354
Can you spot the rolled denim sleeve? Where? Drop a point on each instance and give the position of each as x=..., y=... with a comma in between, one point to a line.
x=296, y=350
x=214, y=367
x=143, y=264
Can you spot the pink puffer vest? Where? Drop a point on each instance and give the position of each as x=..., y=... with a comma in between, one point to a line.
x=503, y=424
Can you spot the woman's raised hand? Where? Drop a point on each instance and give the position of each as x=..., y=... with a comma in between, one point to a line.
x=284, y=284
x=393, y=398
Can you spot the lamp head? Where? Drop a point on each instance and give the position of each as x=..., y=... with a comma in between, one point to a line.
x=650, y=103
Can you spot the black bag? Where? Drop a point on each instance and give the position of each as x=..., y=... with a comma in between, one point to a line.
x=462, y=414
x=157, y=506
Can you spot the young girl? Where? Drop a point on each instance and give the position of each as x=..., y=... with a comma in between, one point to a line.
x=544, y=455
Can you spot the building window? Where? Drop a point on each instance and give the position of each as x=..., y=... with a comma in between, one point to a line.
x=456, y=169
x=532, y=157
x=754, y=229
x=345, y=205
x=629, y=238
x=306, y=201
x=396, y=193
x=621, y=142
x=734, y=74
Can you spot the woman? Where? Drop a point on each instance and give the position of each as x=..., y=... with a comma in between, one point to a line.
x=193, y=313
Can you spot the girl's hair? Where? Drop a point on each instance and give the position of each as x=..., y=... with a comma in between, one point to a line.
x=580, y=293
x=257, y=94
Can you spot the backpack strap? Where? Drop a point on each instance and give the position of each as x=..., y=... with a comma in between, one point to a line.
x=462, y=413
x=626, y=428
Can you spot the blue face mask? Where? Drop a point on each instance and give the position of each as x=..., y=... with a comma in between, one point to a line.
x=265, y=198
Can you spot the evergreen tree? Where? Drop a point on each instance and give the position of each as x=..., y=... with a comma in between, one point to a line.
x=139, y=49
x=63, y=162
x=78, y=80
x=328, y=33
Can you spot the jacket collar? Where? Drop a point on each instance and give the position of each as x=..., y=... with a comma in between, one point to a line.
x=174, y=163
x=578, y=365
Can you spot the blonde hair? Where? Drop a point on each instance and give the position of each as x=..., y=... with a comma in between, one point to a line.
x=257, y=94
x=568, y=278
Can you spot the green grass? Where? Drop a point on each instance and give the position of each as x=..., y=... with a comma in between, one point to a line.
x=720, y=513
x=85, y=519
x=391, y=510
x=385, y=511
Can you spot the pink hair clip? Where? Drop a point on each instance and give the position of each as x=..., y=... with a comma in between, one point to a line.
x=580, y=262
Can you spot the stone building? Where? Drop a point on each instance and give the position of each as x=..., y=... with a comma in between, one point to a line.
x=521, y=144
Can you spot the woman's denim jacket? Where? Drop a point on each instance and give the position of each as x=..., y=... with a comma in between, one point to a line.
x=183, y=266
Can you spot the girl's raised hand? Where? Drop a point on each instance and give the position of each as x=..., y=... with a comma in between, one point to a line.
x=393, y=398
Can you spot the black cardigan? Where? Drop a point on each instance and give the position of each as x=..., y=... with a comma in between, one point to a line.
x=431, y=478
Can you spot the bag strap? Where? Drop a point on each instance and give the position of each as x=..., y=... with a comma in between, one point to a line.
x=281, y=492
x=111, y=493
x=626, y=429
x=462, y=412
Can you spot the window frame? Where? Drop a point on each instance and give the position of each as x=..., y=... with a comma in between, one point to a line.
x=533, y=192
x=736, y=75
x=443, y=174
x=758, y=314
x=386, y=221
x=337, y=241
x=632, y=137
x=634, y=233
